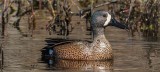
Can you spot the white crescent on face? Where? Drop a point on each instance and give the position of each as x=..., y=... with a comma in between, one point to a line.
x=108, y=19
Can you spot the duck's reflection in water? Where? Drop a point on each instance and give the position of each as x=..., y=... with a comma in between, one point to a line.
x=96, y=66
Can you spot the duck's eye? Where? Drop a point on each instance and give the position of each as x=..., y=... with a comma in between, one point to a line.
x=104, y=15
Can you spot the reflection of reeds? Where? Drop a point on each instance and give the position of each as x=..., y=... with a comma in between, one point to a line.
x=1, y=57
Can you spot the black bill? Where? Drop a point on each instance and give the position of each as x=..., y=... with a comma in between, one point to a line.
x=115, y=23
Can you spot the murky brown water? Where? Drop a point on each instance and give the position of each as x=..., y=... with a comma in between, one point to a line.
x=131, y=54
x=134, y=54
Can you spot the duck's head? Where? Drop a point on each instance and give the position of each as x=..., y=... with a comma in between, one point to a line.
x=102, y=19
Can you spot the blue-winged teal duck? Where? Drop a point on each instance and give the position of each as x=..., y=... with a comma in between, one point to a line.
x=99, y=49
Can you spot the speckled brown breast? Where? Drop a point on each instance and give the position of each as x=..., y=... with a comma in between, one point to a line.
x=96, y=66
x=82, y=51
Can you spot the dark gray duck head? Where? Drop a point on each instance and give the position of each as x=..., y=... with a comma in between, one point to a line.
x=102, y=18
